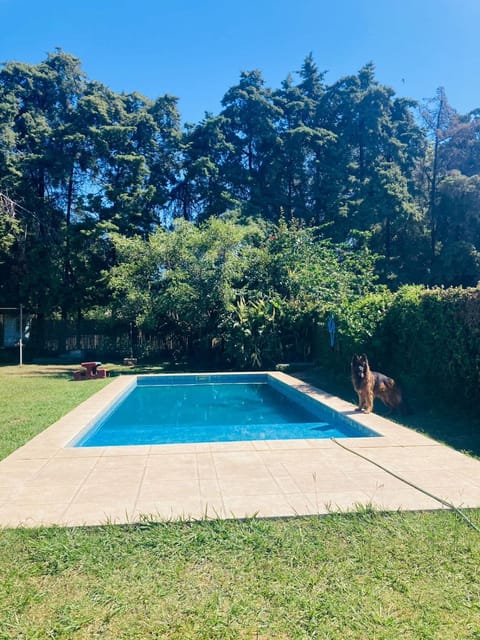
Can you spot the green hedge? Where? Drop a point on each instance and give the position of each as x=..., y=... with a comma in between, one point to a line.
x=356, y=328
x=427, y=338
x=431, y=337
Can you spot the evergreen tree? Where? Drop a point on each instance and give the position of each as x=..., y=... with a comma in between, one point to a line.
x=76, y=154
x=378, y=142
x=302, y=162
x=83, y=163
x=440, y=120
x=458, y=230
x=250, y=118
x=202, y=189
x=42, y=169
x=137, y=151
x=462, y=149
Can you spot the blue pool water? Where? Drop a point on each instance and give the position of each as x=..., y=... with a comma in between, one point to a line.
x=188, y=411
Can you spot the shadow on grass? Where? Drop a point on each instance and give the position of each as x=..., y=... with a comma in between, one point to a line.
x=52, y=368
x=453, y=425
x=456, y=427
x=34, y=371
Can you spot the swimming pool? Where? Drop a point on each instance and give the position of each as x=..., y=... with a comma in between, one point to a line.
x=180, y=409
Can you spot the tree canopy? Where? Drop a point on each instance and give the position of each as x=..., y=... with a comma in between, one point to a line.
x=95, y=174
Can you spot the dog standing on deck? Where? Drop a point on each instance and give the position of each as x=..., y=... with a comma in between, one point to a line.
x=370, y=385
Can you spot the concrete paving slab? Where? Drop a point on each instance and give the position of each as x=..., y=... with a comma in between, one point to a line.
x=49, y=482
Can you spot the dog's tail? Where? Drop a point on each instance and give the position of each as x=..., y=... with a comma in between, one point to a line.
x=403, y=406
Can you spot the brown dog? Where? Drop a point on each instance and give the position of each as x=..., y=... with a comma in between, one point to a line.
x=370, y=385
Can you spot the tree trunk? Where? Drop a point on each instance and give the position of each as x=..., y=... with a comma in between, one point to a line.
x=67, y=266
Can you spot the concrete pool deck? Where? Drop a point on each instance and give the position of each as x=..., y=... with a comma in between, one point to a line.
x=47, y=482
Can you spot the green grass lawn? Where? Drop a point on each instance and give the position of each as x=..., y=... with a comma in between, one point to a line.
x=33, y=397
x=366, y=575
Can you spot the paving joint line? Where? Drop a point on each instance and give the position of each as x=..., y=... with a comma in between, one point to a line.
x=445, y=503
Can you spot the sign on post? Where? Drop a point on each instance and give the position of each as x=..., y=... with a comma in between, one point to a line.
x=331, y=326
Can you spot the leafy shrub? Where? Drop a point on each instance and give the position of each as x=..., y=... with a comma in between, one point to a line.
x=431, y=338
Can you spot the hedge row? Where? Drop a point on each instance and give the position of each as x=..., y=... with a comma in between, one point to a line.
x=427, y=338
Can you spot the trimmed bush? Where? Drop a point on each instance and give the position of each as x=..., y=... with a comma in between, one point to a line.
x=431, y=339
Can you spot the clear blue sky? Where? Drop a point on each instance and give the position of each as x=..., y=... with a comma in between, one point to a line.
x=196, y=49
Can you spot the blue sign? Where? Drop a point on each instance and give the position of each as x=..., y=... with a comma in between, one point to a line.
x=331, y=326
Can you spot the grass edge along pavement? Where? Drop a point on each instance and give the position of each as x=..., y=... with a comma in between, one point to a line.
x=359, y=575
x=33, y=397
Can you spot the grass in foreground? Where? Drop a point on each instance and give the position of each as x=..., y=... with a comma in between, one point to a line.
x=361, y=576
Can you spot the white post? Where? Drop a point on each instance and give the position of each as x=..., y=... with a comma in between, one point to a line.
x=20, y=342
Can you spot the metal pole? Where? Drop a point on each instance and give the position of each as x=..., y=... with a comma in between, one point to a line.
x=20, y=342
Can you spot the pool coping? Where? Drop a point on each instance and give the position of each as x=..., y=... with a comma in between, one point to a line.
x=47, y=482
